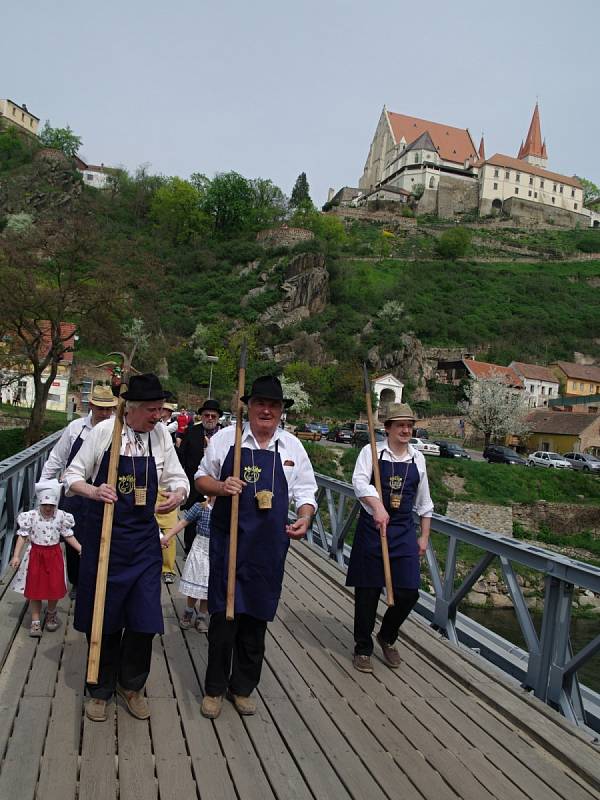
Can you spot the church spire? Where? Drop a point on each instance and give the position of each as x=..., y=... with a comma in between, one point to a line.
x=481, y=150
x=533, y=150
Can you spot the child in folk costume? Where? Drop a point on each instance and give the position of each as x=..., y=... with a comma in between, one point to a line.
x=194, y=579
x=41, y=574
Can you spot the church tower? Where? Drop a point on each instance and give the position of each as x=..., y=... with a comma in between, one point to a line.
x=534, y=150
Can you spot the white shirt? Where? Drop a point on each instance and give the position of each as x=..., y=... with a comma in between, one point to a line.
x=86, y=463
x=46, y=532
x=361, y=478
x=57, y=460
x=299, y=474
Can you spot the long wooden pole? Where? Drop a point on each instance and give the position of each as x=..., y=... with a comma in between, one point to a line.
x=105, y=537
x=235, y=500
x=387, y=572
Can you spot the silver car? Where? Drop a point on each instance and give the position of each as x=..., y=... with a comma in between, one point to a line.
x=542, y=458
x=583, y=461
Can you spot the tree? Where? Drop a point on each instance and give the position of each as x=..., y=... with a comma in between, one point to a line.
x=50, y=277
x=229, y=202
x=453, y=243
x=176, y=211
x=591, y=192
x=60, y=139
x=300, y=192
x=270, y=203
x=295, y=391
x=494, y=408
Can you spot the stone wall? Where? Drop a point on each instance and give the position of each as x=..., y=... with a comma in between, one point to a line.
x=456, y=197
x=389, y=215
x=284, y=236
x=525, y=212
x=557, y=517
x=498, y=519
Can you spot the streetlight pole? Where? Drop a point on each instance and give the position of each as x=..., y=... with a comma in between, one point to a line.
x=212, y=360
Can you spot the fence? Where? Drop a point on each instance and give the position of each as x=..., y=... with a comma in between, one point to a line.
x=549, y=667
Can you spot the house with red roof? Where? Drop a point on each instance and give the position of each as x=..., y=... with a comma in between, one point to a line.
x=541, y=384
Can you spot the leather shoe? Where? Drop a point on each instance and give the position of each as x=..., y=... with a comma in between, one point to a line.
x=362, y=663
x=211, y=706
x=136, y=703
x=245, y=706
x=95, y=710
x=390, y=654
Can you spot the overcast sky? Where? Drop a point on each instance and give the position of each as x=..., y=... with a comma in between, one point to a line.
x=271, y=88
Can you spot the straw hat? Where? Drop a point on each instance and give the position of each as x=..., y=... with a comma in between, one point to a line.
x=103, y=397
x=398, y=411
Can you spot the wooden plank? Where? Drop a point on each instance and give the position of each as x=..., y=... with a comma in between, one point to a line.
x=58, y=778
x=175, y=778
x=42, y=677
x=13, y=607
x=21, y=764
x=64, y=729
x=135, y=763
x=159, y=680
x=13, y=678
x=165, y=725
x=212, y=778
x=97, y=776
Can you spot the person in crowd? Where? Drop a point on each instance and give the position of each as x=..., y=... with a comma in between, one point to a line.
x=191, y=451
x=166, y=521
x=132, y=613
x=405, y=488
x=102, y=406
x=275, y=470
x=41, y=573
x=194, y=578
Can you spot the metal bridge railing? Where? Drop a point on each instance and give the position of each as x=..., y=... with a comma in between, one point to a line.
x=18, y=475
x=551, y=666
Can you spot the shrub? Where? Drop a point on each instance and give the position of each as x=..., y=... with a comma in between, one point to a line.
x=453, y=243
x=589, y=242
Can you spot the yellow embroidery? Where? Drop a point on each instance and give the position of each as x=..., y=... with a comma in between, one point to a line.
x=125, y=484
x=395, y=481
x=252, y=474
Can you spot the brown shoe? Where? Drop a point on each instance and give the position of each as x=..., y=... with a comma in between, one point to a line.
x=245, y=706
x=362, y=663
x=390, y=654
x=211, y=706
x=136, y=703
x=96, y=710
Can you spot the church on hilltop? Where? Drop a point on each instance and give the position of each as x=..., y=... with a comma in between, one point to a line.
x=441, y=166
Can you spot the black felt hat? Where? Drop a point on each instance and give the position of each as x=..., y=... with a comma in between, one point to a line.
x=145, y=387
x=209, y=405
x=269, y=387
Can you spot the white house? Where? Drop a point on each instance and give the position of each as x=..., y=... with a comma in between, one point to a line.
x=540, y=383
x=97, y=176
x=388, y=389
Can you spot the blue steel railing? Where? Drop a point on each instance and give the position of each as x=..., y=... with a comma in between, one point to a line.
x=18, y=475
x=550, y=665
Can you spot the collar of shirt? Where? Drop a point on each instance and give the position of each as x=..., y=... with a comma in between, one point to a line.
x=248, y=437
x=133, y=443
x=411, y=452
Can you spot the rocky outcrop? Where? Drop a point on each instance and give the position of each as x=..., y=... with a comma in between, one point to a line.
x=305, y=289
x=46, y=185
x=409, y=363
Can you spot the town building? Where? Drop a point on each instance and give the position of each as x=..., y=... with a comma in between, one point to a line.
x=388, y=389
x=541, y=384
x=440, y=166
x=577, y=379
x=19, y=115
x=96, y=176
x=561, y=432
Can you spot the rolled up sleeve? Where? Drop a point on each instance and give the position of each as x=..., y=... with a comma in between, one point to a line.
x=361, y=477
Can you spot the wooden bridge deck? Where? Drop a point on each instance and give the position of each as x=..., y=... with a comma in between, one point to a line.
x=441, y=726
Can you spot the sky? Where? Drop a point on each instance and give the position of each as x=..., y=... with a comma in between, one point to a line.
x=272, y=88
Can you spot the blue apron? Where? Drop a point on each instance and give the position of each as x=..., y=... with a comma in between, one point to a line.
x=75, y=505
x=135, y=563
x=262, y=540
x=365, y=567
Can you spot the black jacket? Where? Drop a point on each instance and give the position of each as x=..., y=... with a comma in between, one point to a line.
x=191, y=451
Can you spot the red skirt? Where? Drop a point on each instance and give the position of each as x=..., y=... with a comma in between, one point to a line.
x=45, y=573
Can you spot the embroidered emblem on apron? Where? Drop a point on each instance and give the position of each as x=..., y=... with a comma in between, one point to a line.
x=125, y=484
x=252, y=474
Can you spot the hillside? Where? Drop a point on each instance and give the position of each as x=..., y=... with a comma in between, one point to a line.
x=189, y=266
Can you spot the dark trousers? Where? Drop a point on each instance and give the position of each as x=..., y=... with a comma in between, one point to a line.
x=72, y=557
x=236, y=651
x=125, y=659
x=189, y=534
x=365, y=612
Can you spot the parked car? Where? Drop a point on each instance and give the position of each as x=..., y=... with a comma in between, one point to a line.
x=308, y=432
x=322, y=426
x=451, y=450
x=421, y=433
x=542, y=458
x=427, y=448
x=340, y=435
x=361, y=438
x=498, y=454
x=583, y=461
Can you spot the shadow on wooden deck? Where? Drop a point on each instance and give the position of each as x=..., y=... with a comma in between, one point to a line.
x=444, y=725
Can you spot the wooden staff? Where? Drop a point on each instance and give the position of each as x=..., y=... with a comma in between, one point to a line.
x=106, y=534
x=387, y=572
x=235, y=500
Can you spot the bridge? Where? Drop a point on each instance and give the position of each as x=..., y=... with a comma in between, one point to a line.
x=446, y=724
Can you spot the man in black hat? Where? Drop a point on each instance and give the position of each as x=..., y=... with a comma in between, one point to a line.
x=191, y=451
x=132, y=613
x=275, y=471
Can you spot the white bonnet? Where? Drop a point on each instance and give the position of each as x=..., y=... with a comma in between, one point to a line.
x=48, y=492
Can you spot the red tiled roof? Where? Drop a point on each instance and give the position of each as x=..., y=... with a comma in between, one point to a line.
x=480, y=370
x=499, y=160
x=533, y=371
x=582, y=372
x=533, y=143
x=67, y=334
x=544, y=421
x=453, y=144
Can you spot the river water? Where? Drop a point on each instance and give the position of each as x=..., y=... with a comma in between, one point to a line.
x=503, y=621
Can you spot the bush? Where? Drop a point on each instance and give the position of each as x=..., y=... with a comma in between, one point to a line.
x=589, y=242
x=453, y=243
